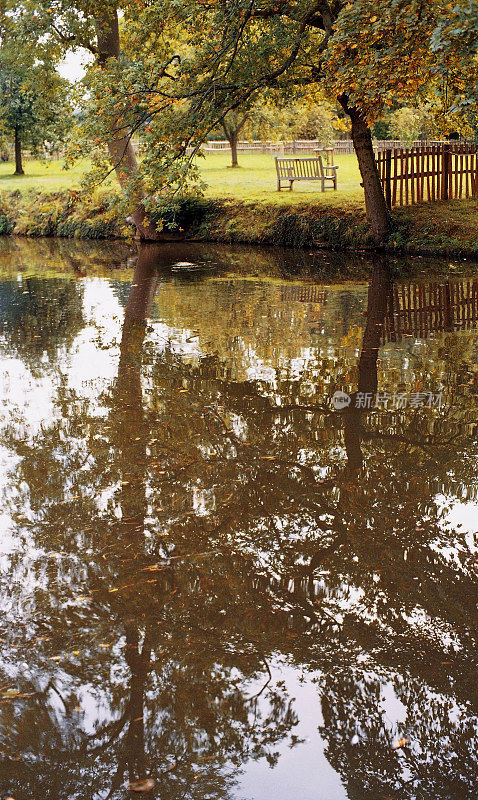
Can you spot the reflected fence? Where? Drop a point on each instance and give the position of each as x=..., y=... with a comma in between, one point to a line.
x=304, y=294
x=416, y=309
x=413, y=309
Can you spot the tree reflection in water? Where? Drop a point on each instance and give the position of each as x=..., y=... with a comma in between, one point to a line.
x=206, y=518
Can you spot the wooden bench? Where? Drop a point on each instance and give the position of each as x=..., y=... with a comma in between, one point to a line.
x=304, y=169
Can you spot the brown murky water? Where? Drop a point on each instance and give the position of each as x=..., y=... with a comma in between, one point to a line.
x=210, y=576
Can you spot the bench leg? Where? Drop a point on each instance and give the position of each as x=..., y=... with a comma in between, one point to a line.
x=291, y=184
x=322, y=183
x=278, y=186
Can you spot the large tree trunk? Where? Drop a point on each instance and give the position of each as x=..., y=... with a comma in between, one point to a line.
x=139, y=662
x=18, y=154
x=375, y=205
x=378, y=296
x=120, y=147
x=131, y=426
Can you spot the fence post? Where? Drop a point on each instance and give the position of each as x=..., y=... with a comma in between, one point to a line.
x=474, y=173
x=448, y=321
x=388, y=179
x=446, y=171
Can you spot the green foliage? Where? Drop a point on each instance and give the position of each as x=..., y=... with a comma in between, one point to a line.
x=6, y=225
x=409, y=124
x=282, y=118
x=315, y=122
x=454, y=44
x=66, y=214
x=306, y=229
x=35, y=99
x=381, y=129
x=188, y=213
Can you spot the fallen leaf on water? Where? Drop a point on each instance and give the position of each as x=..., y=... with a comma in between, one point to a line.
x=141, y=786
x=400, y=743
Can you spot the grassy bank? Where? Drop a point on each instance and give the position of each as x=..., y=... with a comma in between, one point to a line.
x=240, y=206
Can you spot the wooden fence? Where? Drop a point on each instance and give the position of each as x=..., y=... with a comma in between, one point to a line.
x=427, y=173
x=416, y=309
x=309, y=146
x=291, y=147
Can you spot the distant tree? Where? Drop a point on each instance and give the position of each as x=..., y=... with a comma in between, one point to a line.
x=409, y=124
x=232, y=125
x=272, y=118
x=34, y=109
x=314, y=121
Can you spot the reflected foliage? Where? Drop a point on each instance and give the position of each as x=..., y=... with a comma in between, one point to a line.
x=182, y=532
x=40, y=316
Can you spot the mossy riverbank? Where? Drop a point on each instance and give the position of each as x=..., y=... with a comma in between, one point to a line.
x=431, y=229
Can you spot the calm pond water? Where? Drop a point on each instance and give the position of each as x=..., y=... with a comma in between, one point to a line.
x=211, y=576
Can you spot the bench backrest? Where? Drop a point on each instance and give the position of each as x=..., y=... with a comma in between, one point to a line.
x=299, y=168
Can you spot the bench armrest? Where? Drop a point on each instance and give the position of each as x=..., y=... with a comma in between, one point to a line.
x=333, y=167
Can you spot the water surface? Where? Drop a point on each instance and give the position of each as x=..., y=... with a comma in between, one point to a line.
x=211, y=576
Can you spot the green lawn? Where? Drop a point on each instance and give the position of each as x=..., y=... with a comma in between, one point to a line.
x=254, y=180
x=47, y=175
